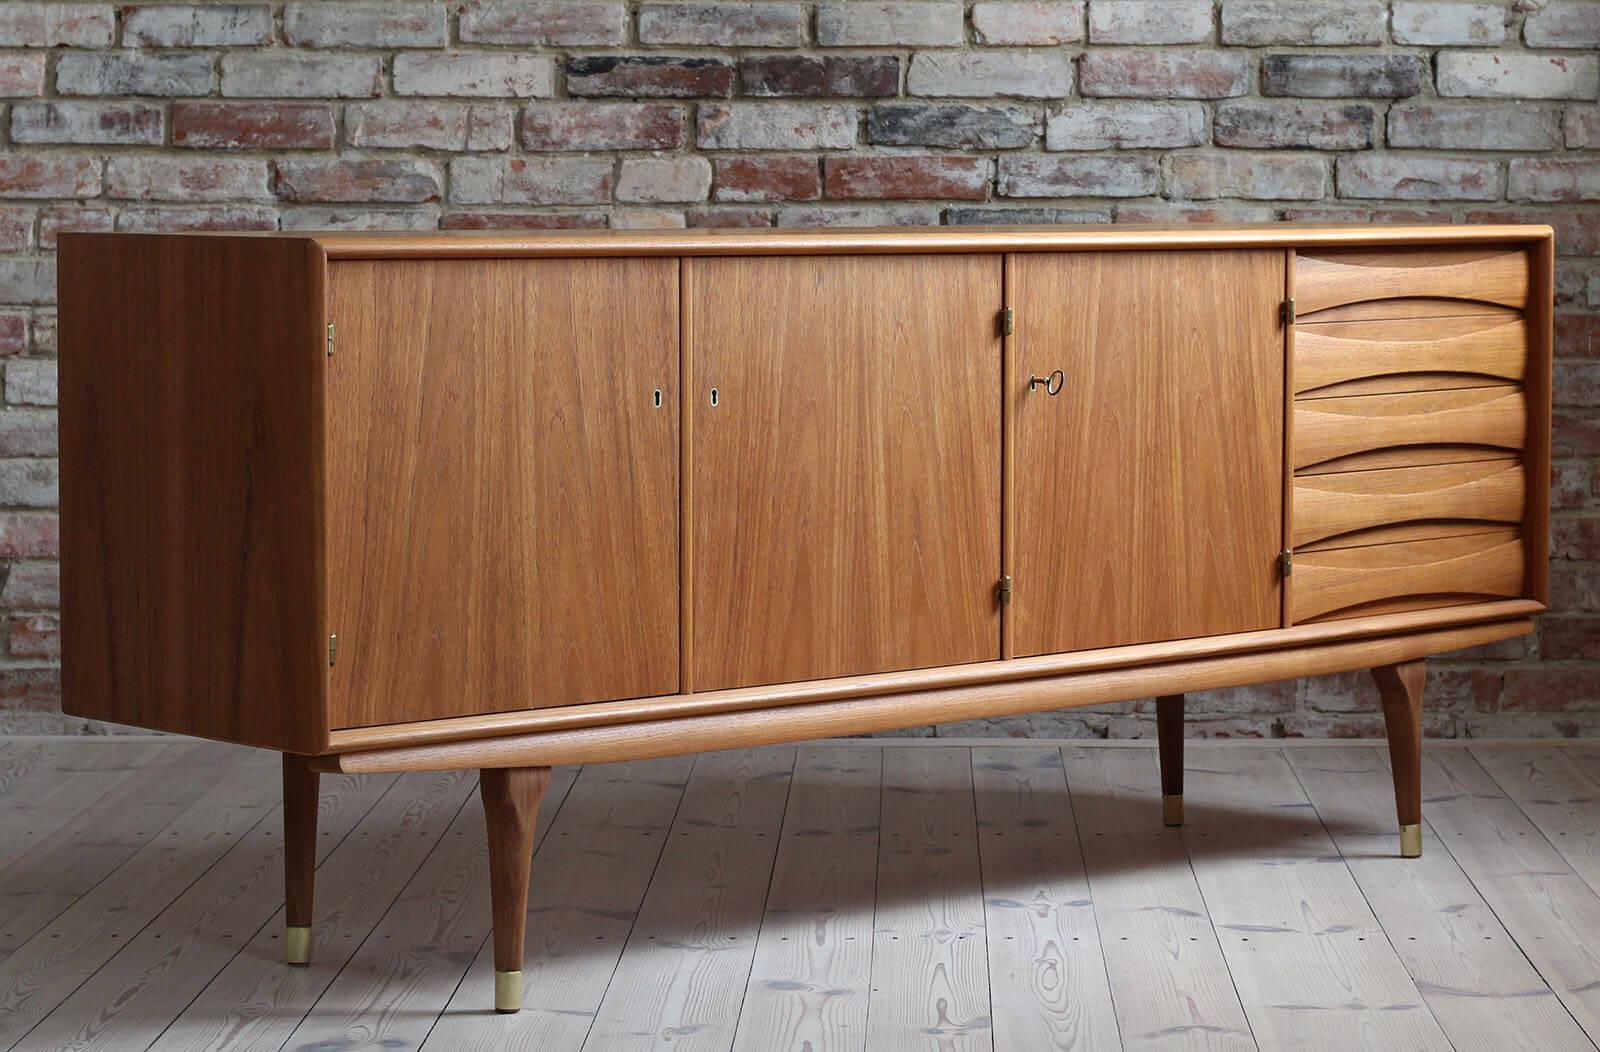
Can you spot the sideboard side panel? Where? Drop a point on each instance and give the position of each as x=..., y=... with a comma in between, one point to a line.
x=503, y=485
x=191, y=486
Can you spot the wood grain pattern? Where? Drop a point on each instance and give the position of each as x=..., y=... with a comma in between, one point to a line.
x=1479, y=986
x=1545, y=905
x=1310, y=961
x=1343, y=506
x=1329, y=428
x=847, y=494
x=191, y=487
x=685, y=734
x=1440, y=350
x=1047, y=969
x=929, y=968
x=894, y=240
x=681, y=977
x=300, y=808
x=1147, y=510
x=1168, y=979
x=812, y=972
x=506, y=533
x=1485, y=274
x=1449, y=568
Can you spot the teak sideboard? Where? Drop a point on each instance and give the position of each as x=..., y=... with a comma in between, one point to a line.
x=410, y=502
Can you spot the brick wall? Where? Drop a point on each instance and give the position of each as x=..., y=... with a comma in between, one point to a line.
x=587, y=113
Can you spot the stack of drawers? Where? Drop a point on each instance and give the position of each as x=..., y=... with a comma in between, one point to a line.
x=1409, y=423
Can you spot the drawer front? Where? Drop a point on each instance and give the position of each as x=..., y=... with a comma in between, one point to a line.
x=1409, y=354
x=1351, y=508
x=1381, y=578
x=1328, y=429
x=1482, y=275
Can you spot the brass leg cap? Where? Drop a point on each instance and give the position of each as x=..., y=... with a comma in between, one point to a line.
x=1411, y=841
x=297, y=945
x=1172, y=810
x=508, y=991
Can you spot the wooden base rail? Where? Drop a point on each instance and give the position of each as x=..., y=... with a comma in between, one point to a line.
x=652, y=738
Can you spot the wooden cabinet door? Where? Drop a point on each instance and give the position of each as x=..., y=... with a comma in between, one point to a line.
x=845, y=483
x=1148, y=492
x=502, y=485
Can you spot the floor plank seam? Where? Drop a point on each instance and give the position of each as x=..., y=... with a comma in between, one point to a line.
x=1088, y=883
x=1362, y=891
x=772, y=873
x=238, y=838
x=633, y=923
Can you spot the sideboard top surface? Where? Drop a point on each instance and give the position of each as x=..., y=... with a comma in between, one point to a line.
x=379, y=244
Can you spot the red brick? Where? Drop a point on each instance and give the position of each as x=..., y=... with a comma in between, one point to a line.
x=53, y=222
x=860, y=76
x=21, y=75
x=900, y=178
x=30, y=535
x=16, y=228
x=98, y=123
x=252, y=125
x=1570, y=485
x=1575, y=537
x=329, y=24
x=400, y=179
x=603, y=126
x=158, y=178
x=767, y=179
x=731, y=217
x=56, y=25
x=1576, y=335
x=765, y=24
x=1577, y=229
x=562, y=22
x=1163, y=74
x=30, y=689
x=49, y=175
x=404, y=124
x=13, y=334
x=35, y=635
x=523, y=221
x=1575, y=433
x=194, y=218
x=1551, y=688
x=1566, y=637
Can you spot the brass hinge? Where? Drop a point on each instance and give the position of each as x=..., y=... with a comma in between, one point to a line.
x=1002, y=589
x=333, y=650
x=1008, y=321
x=1286, y=562
x=330, y=339
x=1286, y=311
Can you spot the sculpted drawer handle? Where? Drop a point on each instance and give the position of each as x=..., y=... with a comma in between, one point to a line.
x=1052, y=383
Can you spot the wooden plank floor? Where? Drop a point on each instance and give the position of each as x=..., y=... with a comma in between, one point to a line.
x=856, y=895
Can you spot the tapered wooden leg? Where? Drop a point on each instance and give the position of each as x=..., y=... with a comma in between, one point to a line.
x=1400, y=686
x=1169, y=738
x=299, y=856
x=511, y=809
